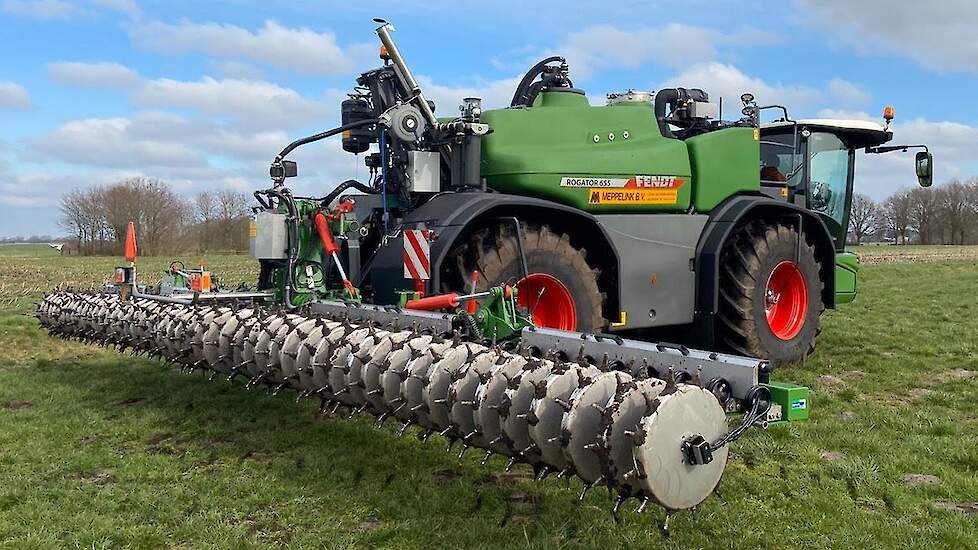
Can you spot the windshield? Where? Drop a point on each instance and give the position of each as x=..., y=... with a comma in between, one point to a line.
x=829, y=176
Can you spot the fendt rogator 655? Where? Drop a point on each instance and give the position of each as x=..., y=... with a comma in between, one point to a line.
x=509, y=278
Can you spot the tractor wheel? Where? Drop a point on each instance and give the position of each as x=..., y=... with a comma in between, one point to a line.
x=770, y=294
x=561, y=290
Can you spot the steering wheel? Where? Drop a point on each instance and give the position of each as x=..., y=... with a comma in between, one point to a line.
x=821, y=195
x=177, y=266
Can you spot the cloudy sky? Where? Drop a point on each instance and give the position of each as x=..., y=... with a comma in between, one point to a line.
x=203, y=94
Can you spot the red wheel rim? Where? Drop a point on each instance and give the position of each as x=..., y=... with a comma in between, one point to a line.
x=786, y=300
x=548, y=300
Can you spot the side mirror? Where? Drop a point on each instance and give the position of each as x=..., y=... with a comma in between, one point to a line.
x=924, y=163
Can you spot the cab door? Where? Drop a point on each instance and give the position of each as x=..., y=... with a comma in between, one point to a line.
x=829, y=174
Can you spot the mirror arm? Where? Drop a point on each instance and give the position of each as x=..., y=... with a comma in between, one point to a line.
x=890, y=148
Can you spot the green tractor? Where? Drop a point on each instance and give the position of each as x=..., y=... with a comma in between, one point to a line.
x=587, y=290
x=646, y=217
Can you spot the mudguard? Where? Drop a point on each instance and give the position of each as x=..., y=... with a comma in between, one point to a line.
x=449, y=216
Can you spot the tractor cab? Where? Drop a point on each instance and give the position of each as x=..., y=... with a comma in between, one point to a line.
x=811, y=163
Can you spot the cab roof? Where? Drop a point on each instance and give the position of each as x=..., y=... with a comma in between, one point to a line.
x=855, y=132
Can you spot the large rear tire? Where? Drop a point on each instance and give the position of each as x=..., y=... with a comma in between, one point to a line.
x=562, y=289
x=770, y=294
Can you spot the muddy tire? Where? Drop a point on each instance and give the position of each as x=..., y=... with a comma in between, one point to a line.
x=495, y=255
x=770, y=301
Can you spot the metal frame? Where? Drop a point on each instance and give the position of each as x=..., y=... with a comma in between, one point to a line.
x=653, y=359
x=641, y=358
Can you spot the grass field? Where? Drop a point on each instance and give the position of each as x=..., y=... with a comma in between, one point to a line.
x=100, y=450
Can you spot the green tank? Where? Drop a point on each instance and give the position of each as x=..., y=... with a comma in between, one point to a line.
x=613, y=159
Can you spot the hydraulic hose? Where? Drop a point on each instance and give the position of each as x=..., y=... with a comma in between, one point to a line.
x=666, y=96
x=331, y=196
x=321, y=136
x=523, y=92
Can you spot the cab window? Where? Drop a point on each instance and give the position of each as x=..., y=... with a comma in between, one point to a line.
x=779, y=160
x=829, y=176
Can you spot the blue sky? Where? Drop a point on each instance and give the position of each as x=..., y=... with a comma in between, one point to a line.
x=202, y=94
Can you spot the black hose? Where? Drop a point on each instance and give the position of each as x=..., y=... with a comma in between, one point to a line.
x=323, y=135
x=331, y=196
x=665, y=96
x=522, y=95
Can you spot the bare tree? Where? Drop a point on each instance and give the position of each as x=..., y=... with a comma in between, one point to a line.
x=970, y=234
x=164, y=215
x=955, y=207
x=233, y=211
x=925, y=212
x=206, y=210
x=897, y=208
x=863, y=217
x=72, y=219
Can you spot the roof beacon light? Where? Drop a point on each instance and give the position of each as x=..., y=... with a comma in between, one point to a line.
x=888, y=114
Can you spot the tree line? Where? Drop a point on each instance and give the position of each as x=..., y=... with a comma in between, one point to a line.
x=95, y=218
x=944, y=214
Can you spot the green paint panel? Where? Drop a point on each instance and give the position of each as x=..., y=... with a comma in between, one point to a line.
x=792, y=398
x=308, y=275
x=563, y=136
x=846, y=268
x=724, y=163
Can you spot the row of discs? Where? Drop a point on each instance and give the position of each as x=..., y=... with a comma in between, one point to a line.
x=606, y=427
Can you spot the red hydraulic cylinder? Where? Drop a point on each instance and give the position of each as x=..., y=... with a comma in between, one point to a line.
x=333, y=249
x=325, y=235
x=430, y=303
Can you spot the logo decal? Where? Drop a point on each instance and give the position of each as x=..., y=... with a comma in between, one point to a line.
x=639, y=190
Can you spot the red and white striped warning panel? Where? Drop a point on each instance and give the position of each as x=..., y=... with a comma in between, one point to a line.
x=417, y=255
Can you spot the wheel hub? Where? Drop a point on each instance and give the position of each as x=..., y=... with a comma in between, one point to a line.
x=548, y=300
x=786, y=300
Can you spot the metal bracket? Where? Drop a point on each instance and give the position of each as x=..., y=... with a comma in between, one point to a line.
x=519, y=243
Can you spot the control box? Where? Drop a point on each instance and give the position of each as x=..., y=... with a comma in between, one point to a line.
x=268, y=236
x=424, y=171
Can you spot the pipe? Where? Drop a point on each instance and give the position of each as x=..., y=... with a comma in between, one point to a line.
x=331, y=196
x=665, y=96
x=322, y=135
x=523, y=96
x=405, y=76
x=232, y=295
x=191, y=299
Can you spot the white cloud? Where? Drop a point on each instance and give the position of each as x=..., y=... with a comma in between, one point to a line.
x=45, y=10
x=236, y=70
x=110, y=142
x=32, y=190
x=937, y=35
x=848, y=92
x=494, y=94
x=14, y=96
x=125, y=7
x=250, y=103
x=299, y=49
x=673, y=45
x=726, y=81
x=93, y=75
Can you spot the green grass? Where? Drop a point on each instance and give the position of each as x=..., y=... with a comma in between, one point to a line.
x=27, y=251
x=101, y=450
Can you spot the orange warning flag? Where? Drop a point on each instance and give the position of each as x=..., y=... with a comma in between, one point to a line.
x=130, y=250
